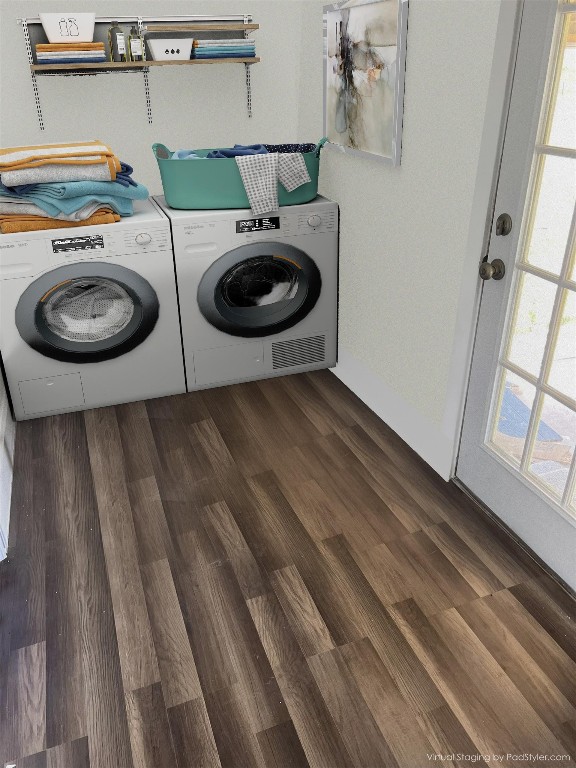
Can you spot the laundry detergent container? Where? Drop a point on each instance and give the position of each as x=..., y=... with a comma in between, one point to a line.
x=216, y=183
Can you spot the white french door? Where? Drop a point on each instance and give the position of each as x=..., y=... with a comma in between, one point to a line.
x=517, y=452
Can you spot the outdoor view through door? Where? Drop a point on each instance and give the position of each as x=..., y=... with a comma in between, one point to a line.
x=533, y=416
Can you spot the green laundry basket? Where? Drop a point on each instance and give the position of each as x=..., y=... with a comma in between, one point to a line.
x=192, y=184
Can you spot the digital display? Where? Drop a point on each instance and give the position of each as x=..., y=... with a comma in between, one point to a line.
x=258, y=225
x=83, y=243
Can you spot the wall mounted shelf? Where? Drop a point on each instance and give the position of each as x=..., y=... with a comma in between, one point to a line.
x=136, y=65
x=236, y=27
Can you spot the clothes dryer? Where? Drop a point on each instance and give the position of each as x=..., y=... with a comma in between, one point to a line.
x=258, y=296
x=89, y=315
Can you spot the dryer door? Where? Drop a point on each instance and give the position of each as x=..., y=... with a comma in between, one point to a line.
x=87, y=312
x=259, y=289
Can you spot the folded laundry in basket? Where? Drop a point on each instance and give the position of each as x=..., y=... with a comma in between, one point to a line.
x=260, y=178
x=238, y=150
x=186, y=154
x=11, y=224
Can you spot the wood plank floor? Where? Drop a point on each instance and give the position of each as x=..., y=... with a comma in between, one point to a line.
x=265, y=576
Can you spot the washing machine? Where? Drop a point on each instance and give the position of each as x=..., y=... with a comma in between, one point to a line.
x=89, y=315
x=258, y=296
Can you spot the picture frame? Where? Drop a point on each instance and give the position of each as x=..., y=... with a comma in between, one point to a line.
x=364, y=64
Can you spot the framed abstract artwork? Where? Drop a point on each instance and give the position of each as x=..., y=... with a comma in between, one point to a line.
x=364, y=61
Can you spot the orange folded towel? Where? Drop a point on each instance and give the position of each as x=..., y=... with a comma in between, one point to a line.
x=74, y=153
x=12, y=224
x=70, y=46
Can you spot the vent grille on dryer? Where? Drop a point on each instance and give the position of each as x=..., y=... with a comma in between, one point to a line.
x=298, y=352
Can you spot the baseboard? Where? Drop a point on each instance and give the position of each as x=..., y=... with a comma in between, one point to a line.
x=484, y=510
x=427, y=439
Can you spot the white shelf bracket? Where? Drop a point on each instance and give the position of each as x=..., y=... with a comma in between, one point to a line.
x=24, y=24
x=145, y=72
x=247, y=20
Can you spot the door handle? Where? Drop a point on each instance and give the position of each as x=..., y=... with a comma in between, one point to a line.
x=503, y=224
x=494, y=270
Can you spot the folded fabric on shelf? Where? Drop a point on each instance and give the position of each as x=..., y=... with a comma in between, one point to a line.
x=238, y=150
x=76, y=60
x=81, y=153
x=56, y=172
x=13, y=224
x=70, y=47
x=67, y=54
x=123, y=177
x=221, y=41
x=232, y=55
x=260, y=178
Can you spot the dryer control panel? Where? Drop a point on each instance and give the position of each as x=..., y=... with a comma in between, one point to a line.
x=286, y=225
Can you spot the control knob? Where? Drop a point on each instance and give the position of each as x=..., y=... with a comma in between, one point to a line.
x=315, y=220
x=143, y=238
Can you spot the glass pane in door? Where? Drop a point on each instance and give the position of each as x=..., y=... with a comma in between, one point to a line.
x=533, y=422
x=562, y=376
x=513, y=416
x=531, y=322
x=562, y=115
x=552, y=209
x=553, y=448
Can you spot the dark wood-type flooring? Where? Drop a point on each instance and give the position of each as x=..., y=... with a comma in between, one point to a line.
x=265, y=576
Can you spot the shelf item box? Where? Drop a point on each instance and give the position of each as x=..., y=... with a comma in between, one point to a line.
x=68, y=27
x=170, y=48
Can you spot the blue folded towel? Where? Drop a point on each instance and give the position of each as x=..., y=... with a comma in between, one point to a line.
x=123, y=177
x=238, y=150
x=72, y=189
x=233, y=55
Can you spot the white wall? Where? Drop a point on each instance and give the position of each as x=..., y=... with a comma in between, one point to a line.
x=7, y=435
x=202, y=106
x=411, y=236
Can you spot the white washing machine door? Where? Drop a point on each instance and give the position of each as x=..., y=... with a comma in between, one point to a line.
x=87, y=312
x=259, y=289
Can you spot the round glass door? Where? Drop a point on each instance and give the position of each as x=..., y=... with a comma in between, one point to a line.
x=259, y=282
x=259, y=289
x=87, y=312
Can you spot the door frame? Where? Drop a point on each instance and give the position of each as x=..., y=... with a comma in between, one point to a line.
x=554, y=548
x=483, y=206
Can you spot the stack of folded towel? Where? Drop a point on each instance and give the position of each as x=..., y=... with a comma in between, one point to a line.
x=70, y=53
x=223, y=49
x=64, y=185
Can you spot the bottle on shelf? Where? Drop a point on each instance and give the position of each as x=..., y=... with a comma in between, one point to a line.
x=135, y=45
x=117, y=43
